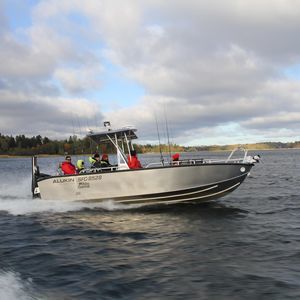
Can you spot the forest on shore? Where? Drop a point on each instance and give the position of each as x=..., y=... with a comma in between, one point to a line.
x=21, y=145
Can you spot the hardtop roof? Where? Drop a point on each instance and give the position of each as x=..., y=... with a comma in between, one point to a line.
x=102, y=136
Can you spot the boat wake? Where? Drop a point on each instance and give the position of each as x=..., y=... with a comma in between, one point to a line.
x=16, y=200
x=14, y=288
x=15, y=190
x=33, y=206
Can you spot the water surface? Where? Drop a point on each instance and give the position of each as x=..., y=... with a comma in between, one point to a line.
x=243, y=246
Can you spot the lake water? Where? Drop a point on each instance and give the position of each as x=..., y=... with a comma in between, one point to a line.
x=243, y=246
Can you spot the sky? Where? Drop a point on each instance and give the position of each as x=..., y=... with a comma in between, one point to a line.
x=209, y=72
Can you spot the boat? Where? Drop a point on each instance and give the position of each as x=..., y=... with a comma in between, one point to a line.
x=160, y=182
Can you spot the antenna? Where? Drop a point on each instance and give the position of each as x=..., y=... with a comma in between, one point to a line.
x=106, y=124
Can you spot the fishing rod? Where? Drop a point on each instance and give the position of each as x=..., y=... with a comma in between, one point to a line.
x=81, y=134
x=74, y=137
x=167, y=129
x=161, y=155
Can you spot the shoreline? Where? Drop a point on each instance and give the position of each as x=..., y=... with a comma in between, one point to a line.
x=165, y=153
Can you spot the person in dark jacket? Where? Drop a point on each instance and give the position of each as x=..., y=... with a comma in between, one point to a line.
x=96, y=163
x=67, y=167
x=133, y=162
x=104, y=161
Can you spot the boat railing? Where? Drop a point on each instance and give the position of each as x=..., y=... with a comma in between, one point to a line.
x=154, y=164
x=198, y=161
x=239, y=148
x=98, y=170
x=221, y=161
x=183, y=162
x=207, y=161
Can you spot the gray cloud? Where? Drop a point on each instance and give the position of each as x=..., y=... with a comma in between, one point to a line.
x=219, y=64
x=46, y=116
x=216, y=69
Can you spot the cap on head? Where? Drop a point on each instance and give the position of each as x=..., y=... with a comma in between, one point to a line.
x=175, y=156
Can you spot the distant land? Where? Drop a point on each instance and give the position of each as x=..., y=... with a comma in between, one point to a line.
x=253, y=146
x=21, y=145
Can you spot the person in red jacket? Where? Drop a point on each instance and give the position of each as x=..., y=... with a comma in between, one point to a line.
x=67, y=166
x=133, y=162
x=175, y=159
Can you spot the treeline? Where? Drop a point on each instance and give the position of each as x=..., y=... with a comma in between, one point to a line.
x=257, y=146
x=22, y=145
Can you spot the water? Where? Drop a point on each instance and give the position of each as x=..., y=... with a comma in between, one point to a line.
x=243, y=246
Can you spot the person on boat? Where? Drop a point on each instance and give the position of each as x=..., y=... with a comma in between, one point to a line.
x=80, y=165
x=104, y=161
x=253, y=159
x=67, y=167
x=133, y=162
x=256, y=158
x=91, y=160
x=175, y=159
x=95, y=161
x=59, y=170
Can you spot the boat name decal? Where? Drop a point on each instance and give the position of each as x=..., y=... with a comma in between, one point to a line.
x=83, y=182
x=63, y=180
x=89, y=178
x=78, y=179
x=82, y=185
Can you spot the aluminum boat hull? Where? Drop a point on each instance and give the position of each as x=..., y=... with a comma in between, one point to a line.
x=167, y=185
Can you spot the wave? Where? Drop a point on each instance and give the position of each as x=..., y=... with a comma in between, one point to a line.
x=16, y=199
x=12, y=287
x=15, y=189
x=29, y=206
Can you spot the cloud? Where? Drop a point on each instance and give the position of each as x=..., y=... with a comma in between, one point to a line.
x=78, y=80
x=44, y=116
x=218, y=64
x=43, y=75
x=211, y=68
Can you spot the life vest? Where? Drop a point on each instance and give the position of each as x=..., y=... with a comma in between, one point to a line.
x=92, y=160
x=104, y=163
